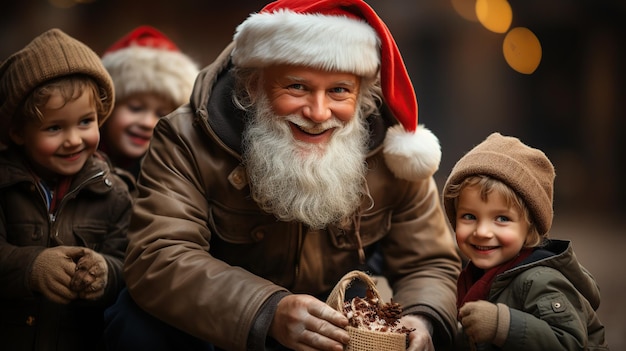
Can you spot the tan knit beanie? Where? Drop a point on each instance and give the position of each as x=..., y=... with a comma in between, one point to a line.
x=524, y=169
x=51, y=55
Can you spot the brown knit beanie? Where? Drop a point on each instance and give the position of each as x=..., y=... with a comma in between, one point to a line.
x=524, y=169
x=51, y=55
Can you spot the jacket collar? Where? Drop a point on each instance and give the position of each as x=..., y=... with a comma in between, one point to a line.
x=15, y=171
x=559, y=255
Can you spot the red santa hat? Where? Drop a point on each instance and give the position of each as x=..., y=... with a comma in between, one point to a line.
x=348, y=36
x=145, y=60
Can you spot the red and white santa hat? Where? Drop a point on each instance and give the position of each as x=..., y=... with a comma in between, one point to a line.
x=347, y=36
x=145, y=60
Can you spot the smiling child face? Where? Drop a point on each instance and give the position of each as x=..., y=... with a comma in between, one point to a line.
x=68, y=135
x=488, y=232
x=127, y=133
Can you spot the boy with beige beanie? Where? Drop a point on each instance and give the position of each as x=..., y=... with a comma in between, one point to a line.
x=519, y=290
x=63, y=214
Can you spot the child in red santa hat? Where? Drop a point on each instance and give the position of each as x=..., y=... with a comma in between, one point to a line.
x=152, y=77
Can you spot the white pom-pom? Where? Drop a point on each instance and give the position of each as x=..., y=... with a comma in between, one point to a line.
x=412, y=156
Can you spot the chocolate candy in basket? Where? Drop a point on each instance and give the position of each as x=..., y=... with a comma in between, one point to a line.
x=374, y=324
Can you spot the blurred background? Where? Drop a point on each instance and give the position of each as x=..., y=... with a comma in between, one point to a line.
x=549, y=72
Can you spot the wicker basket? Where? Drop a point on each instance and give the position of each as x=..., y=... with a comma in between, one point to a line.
x=364, y=339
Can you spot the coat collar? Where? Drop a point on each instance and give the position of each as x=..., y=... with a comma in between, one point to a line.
x=14, y=171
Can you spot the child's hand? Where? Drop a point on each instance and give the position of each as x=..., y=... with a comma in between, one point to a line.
x=90, y=277
x=52, y=272
x=485, y=322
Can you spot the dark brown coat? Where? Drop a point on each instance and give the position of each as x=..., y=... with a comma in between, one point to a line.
x=94, y=214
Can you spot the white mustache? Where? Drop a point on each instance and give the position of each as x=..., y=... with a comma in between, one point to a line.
x=314, y=128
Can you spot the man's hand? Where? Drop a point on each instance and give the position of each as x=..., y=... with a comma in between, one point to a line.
x=302, y=322
x=420, y=339
x=91, y=275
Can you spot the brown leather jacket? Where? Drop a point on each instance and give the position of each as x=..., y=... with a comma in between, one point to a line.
x=204, y=258
x=95, y=213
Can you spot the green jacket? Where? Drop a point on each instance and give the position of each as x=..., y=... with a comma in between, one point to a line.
x=553, y=301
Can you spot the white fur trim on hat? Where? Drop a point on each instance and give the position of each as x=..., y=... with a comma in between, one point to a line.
x=323, y=41
x=411, y=156
x=137, y=69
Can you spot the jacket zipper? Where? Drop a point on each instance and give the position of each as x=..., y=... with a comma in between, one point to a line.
x=74, y=190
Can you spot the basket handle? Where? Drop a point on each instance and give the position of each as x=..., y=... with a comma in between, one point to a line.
x=338, y=294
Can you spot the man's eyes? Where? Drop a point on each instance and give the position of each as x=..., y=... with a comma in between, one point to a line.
x=339, y=90
x=296, y=86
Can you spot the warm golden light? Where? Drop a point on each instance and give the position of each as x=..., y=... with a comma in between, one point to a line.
x=495, y=15
x=62, y=4
x=522, y=50
x=465, y=9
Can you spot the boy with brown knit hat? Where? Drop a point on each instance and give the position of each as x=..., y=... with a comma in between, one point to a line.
x=152, y=77
x=64, y=215
x=519, y=290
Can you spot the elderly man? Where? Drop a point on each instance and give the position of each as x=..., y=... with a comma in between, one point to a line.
x=298, y=159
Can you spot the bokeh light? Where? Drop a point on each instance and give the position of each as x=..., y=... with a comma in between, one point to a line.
x=522, y=50
x=495, y=15
x=62, y=4
x=465, y=9
x=521, y=47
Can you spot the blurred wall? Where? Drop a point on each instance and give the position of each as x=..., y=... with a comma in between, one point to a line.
x=573, y=106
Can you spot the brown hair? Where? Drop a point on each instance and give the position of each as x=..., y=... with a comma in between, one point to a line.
x=71, y=88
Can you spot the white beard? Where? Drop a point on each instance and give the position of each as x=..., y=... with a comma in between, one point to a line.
x=311, y=183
